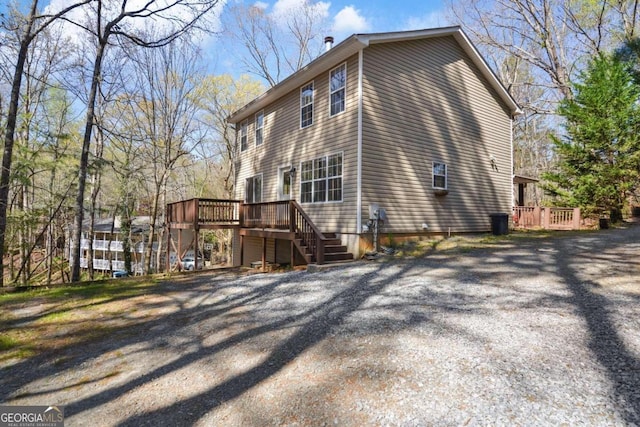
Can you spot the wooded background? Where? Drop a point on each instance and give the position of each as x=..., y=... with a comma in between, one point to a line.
x=109, y=108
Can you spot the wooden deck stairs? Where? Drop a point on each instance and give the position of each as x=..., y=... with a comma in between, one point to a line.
x=334, y=250
x=283, y=220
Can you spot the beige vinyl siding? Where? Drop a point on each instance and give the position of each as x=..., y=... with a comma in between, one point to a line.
x=425, y=101
x=285, y=143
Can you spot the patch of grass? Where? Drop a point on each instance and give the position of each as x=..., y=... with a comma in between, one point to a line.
x=19, y=353
x=7, y=342
x=56, y=317
x=469, y=242
x=14, y=348
x=64, y=316
x=92, y=292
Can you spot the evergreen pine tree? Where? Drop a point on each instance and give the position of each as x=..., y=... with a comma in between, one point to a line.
x=599, y=156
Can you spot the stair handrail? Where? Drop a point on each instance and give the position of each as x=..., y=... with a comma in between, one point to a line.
x=316, y=242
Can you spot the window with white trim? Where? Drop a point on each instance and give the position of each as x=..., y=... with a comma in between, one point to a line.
x=306, y=105
x=253, y=189
x=259, y=128
x=439, y=171
x=337, y=89
x=321, y=179
x=243, y=135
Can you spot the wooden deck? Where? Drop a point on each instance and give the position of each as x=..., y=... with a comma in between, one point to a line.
x=284, y=220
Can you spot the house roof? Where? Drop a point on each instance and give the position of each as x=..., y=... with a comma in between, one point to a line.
x=139, y=224
x=520, y=179
x=352, y=45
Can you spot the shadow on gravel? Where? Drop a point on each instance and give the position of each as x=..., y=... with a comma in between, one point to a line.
x=201, y=298
x=317, y=323
x=623, y=368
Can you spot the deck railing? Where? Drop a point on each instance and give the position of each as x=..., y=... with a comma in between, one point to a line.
x=265, y=215
x=281, y=215
x=550, y=218
x=307, y=232
x=204, y=211
x=285, y=215
x=103, y=245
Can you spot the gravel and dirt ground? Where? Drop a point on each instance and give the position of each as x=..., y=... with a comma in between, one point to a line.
x=530, y=332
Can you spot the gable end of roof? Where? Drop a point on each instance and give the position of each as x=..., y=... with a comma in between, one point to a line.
x=356, y=42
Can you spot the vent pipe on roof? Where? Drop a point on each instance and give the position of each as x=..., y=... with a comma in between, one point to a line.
x=328, y=43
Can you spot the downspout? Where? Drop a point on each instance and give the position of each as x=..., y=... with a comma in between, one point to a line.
x=513, y=202
x=359, y=172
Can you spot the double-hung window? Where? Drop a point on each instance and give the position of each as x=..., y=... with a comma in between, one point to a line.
x=321, y=179
x=337, y=89
x=243, y=135
x=259, y=128
x=306, y=105
x=439, y=171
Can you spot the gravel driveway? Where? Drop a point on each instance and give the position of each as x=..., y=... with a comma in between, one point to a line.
x=542, y=332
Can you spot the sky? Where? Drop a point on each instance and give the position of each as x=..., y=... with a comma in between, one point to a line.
x=348, y=16
x=345, y=17
x=361, y=16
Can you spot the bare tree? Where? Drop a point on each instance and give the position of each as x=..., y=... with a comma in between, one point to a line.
x=279, y=43
x=221, y=96
x=28, y=28
x=167, y=113
x=537, y=48
x=110, y=19
x=31, y=161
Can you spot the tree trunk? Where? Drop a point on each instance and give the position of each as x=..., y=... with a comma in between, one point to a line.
x=84, y=162
x=10, y=130
x=152, y=231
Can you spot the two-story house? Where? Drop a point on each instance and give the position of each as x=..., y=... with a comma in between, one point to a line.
x=414, y=123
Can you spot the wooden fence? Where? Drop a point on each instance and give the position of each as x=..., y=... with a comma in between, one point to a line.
x=549, y=218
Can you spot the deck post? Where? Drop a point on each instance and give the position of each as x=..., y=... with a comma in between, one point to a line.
x=241, y=250
x=292, y=217
x=320, y=252
x=264, y=254
x=196, y=247
x=293, y=255
x=547, y=218
x=537, y=218
x=576, y=218
x=168, y=265
x=179, y=251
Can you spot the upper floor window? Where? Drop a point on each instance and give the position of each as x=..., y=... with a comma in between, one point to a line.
x=337, y=88
x=439, y=176
x=259, y=127
x=306, y=105
x=243, y=135
x=321, y=179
